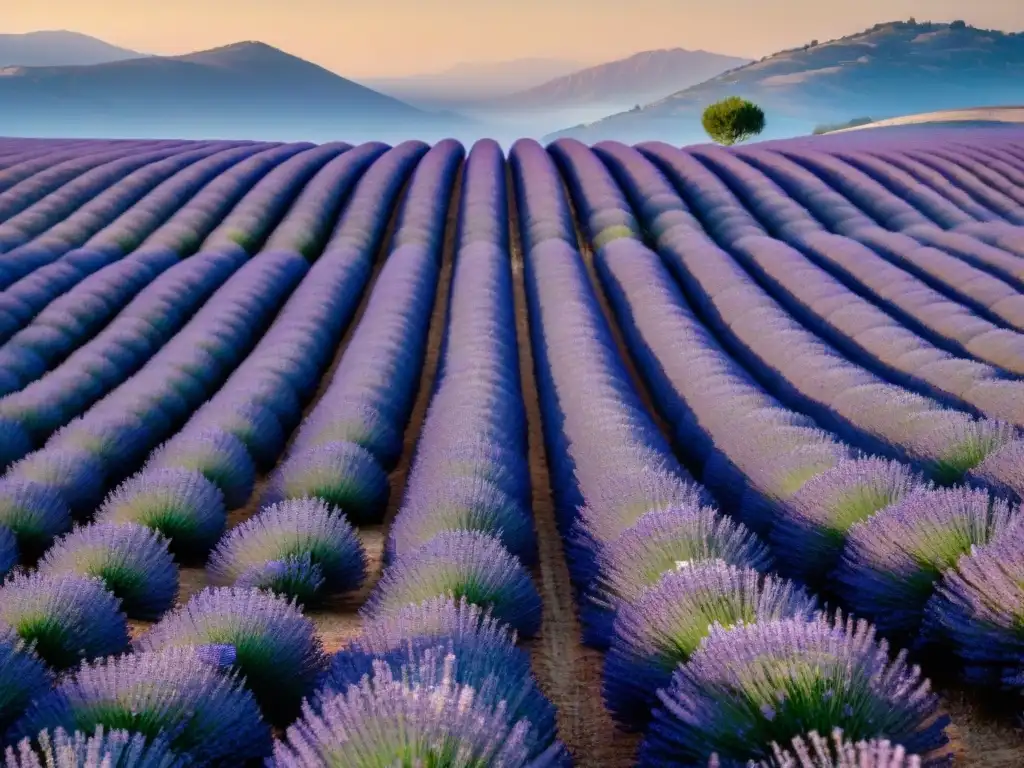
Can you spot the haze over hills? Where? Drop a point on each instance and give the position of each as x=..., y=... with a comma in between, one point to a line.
x=245, y=90
x=637, y=79
x=58, y=48
x=891, y=69
x=472, y=82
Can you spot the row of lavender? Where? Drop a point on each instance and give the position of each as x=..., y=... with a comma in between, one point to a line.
x=183, y=494
x=789, y=480
x=299, y=541
x=655, y=564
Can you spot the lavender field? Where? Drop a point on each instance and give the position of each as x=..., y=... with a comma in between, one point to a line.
x=371, y=456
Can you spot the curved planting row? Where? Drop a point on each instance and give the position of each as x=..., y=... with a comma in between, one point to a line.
x=677, y=572
x=826, y=306
x=68, y=217
x=57, y=270
x=149, y=321
x=302, y=542
x=40, y=174
x=448, y=540
x=807, y=374
x=67, y=319
x=975, y=274
x=916, y=305
x=795, y=483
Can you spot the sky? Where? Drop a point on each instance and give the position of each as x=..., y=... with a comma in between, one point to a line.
x=380, y=38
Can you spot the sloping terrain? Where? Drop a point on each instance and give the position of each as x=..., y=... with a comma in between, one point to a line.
x=889, y=70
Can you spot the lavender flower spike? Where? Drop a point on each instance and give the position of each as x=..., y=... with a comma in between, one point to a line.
x=181, y=504
x=461, y=564
x=892, y=560
x=133, y=561
x=69, y=618
x=275, y=647
x=660, y=631
x=299, y=548
x=749, y=687
x=978, y=610
x=103, y=749
x=23, y=677
x=817, y=752
x=421, y=718
x=34, y=513
x=207, y=716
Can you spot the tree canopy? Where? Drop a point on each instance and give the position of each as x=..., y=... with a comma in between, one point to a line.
x=733, y=120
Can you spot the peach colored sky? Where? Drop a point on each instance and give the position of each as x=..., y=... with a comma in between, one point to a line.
x=391, y=37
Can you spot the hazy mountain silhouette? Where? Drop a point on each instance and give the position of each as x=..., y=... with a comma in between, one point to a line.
x=472, y=82
x=245, y=90
x=638, y=79
x=891, y=69
x=58, y=48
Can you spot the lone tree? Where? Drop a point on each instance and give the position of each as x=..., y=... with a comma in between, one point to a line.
x=733, y=120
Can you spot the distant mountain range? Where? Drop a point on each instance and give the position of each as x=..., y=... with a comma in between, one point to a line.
x=246, y=90
x=472, y=82
x=58, y=48
x=638, y=79
x=891, y=69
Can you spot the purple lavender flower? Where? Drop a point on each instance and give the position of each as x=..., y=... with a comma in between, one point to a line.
x=77, y=476
x=436, y=618
x=181, y=504
x=978, y=609
x=476, y=666
x=103, y=749
x=749, y=687
x=276, y=647
x=660, y=630
x=68, y=617
x=808, y=539
x=421, y=718
x=256, y=426
x=117, y=443
x=814, y=751
x=35, y=514
x=208, y=717
x=352, y=422
x=342, y=474
x=462, y=504
x=298, y=548
x=23, y=677
x=15, y=442
x=892, y=560
x=219, y=456
x=662, y=541
x=8, y=551
x=461, y=564
x=133, y=561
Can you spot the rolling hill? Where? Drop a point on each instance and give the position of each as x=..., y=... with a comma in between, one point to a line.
x=245, y=90
x=637, y=79
x=473, y=82
x=891, y=69
x=58, y=48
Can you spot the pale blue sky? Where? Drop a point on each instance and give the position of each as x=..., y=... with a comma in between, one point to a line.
x=390, y=37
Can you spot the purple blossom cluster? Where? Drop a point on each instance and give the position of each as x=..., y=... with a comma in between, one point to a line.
x=271, y=644
x=98, y=749
x=201, y=711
